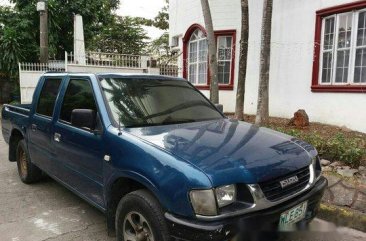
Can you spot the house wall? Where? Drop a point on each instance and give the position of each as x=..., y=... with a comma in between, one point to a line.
x=292, y=54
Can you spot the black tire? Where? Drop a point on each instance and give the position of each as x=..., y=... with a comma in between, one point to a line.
x=28, y=172
x=144, y=203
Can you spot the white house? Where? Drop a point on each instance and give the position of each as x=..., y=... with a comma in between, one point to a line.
x=318, y=56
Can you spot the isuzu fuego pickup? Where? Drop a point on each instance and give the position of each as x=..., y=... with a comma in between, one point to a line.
x=159, y=159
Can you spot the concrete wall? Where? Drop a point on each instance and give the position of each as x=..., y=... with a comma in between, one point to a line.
x=28, y=81
x=292, y=46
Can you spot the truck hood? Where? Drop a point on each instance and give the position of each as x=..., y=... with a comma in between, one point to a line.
x=229, y=151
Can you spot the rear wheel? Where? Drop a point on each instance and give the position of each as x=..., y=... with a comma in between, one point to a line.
x=28, y=172
x=140, y=217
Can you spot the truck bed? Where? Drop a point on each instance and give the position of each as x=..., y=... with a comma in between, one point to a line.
x=14, y=117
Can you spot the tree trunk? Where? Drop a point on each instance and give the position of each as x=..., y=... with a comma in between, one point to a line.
x=263, y=99
x=212, y=52
x=239, y=108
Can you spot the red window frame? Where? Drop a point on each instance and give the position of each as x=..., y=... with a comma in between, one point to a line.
x=186, y=38
x=320, y=15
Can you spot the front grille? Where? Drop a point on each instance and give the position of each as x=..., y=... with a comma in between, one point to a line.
x=273, y=190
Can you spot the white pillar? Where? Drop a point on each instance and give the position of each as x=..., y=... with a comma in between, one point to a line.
x=79, y=45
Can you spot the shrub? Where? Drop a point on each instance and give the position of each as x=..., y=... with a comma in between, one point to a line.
x=350, y=150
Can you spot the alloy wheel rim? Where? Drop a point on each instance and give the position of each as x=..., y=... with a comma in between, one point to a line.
x=23, y=162
x=136, y=228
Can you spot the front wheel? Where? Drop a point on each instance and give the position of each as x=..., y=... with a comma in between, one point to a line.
x=139, y=217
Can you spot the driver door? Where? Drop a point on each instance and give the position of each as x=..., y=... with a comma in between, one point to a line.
x=80, y=150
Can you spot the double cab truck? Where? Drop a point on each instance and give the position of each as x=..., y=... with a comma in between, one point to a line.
x=160, y=160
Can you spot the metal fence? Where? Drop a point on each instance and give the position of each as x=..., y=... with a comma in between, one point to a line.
x=169, y=70
x=107, y=59
x=56, y=66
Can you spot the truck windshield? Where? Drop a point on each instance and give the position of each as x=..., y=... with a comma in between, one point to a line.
x=149, y=102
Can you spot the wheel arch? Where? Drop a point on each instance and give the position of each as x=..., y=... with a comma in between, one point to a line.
x=121, y=185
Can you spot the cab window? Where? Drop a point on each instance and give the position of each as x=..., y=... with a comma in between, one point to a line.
x=79, y=95
x=47, y=98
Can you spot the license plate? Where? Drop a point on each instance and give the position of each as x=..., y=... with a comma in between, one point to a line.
x=293, y=215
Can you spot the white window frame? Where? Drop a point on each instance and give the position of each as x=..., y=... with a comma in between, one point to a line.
x=353, y=47
x=197, y=62
x=231, y=56
x=356, y=48
x=322, y=51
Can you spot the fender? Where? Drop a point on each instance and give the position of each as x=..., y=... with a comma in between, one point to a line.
x=144, y=181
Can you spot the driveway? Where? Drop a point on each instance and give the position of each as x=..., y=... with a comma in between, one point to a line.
x=48, y=211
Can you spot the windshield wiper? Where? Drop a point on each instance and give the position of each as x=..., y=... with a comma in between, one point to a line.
x=164, y=122
x=177, y=122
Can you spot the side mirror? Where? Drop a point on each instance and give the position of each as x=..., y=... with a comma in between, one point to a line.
x=220, y=107
x=84, y=118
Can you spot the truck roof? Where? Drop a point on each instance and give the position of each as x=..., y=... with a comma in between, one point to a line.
x=113, y=75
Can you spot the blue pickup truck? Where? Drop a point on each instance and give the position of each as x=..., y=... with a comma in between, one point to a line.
x=159, y=159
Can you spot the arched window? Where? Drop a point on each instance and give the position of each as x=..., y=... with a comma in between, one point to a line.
x=197, y=58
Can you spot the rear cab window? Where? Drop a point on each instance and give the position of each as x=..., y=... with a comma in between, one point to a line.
x=47, y=98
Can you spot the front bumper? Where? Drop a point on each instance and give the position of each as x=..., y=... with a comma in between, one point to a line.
x=264, y=220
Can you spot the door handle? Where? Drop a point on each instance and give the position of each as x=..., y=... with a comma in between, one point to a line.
x=33, y=127
x=57, y=137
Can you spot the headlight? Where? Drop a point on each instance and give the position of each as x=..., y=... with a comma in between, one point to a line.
x=317, y=167
x=225, y=195
x=203, y=202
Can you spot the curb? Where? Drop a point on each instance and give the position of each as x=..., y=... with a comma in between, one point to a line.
x=342, y=216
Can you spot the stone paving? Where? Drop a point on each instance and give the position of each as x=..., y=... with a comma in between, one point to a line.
x=343, y=192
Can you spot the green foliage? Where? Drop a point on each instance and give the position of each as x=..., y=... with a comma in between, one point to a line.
x=121, y=35
x=161, y=21
x=25, y=21
x=160, y=48
x=16, y=41
x=349, y=150
x=11, y=51
x=15, y=102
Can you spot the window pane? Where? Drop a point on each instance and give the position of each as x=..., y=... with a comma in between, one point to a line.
x=361, y=33
x=224, y=72
x=345, y=30
x=198, y=56
x=224, y=47
x=327, y=67
x=48, y=97
x=203, y=51
x=192, y=73
x=193, y=52
x=202, y=73
x=79, y=95
x=360, y=66
x=342, y=66
x=358, y=75
x=329, y=34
